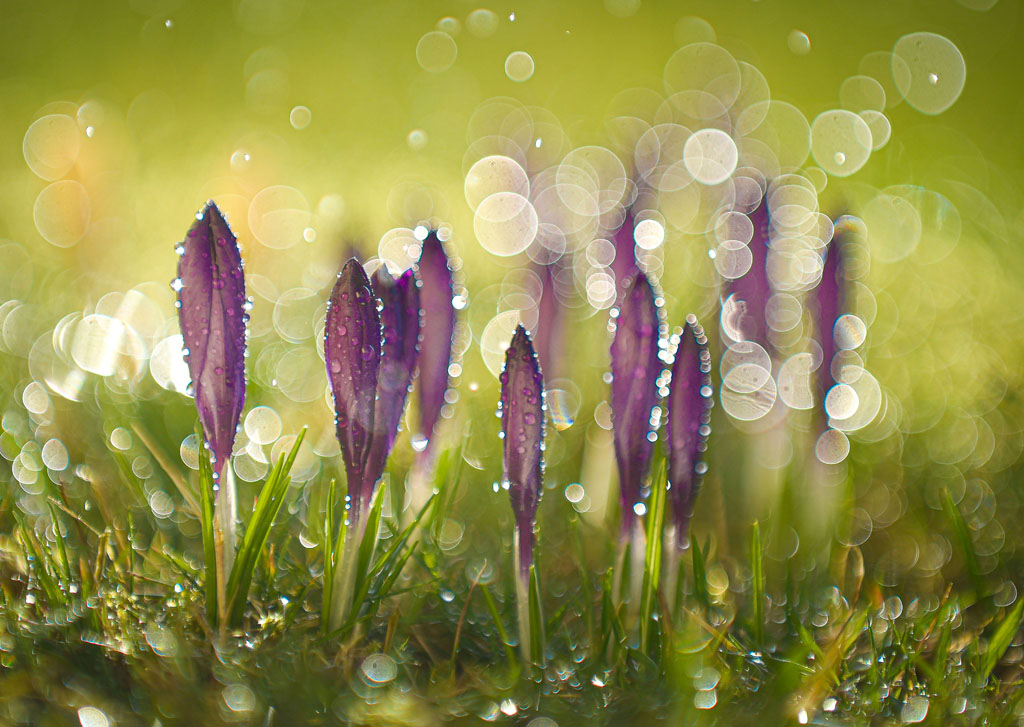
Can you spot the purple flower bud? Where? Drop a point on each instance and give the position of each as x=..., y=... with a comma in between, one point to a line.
x=352, y=350
x=400, y=320
x=624, y=265
x=522, y=428
x=549, y=332
x=830, y=299
x=744, y=316
x=635, y=371
x=211, y=309
x=436, y=293
x=687, y=423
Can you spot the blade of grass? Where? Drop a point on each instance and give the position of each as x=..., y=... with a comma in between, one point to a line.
x=537, y=635
x=652, y=554
x=62, y=553
x=268, y=505
x=757, y=583
x=329, y=551
x=700, y=573
x=1001, y=639
x=510, y=653
x=211, y=566
x=964, y=536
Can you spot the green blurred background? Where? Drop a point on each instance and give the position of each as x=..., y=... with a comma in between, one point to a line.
x=317, y=122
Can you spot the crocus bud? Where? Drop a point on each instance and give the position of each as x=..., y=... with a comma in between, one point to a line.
x=687, y=422
x=635, y=371
x=400, y=320
x=436, y=293
x=829, y=297
x=624, y=265
x=212, y=314
x=522, y=429
x=352, y=351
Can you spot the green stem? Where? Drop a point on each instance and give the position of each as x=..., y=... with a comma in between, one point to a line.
x=522, y=578
x=345, y=574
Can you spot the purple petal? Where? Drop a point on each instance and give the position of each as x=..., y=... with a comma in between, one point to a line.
x=522, y=429
x=211, y=309
x=624, y=265
x=829, y=297
x=635, y=371
x=400, y=319
x=749, y=294
x=352, y=350
x=549, y=332
x=687, y=422
x=436, y=293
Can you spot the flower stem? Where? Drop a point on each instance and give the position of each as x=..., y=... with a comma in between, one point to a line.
x=345, y=573
x=522, y=576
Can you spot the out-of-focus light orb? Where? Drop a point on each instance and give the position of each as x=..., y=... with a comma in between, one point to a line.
x=832, y=447
x=795, y=381
x=55, y=455
x=494, y=174
x=841, y=401
x=710, y=155
x=749, y=406
x=622, y=8
x=733, y=259
x=482, y=23
x=798, y=42
x=840, y=142
x=51, y=146
x=263, y=425
x=880, y=127
x=649, y=234
x=417, y=139
x=861, y=93
x=849, y=331
x=436, y=51
x=278, y=216
x=167, y=364
x=449, y=25
x=62, y=213
x=937, y=71
x=300, y=117
x=495, y=338
x=505, y=223
x=893, y=227
x=92, y=717
x=519, y=66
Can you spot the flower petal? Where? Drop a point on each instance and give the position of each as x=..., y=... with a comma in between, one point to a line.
x=522, y=429
x=687, y=421
x=635, y=371
x=624, y=265
x=211, y=310
x=400, y=320
x=829, y=297
x=352, y=350
x=436, y=293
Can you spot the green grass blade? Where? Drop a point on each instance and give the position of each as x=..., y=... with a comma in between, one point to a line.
x=537, y=635
x=268, y=505
x=700, y=573
x=1001, y=639
x=329, y=552
x=956, y=519
x=206, y=497
x=368, y=545
x=757, y=583
x=44, y=567
x=652, y=554
x=62, y=553
x=510, y=653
